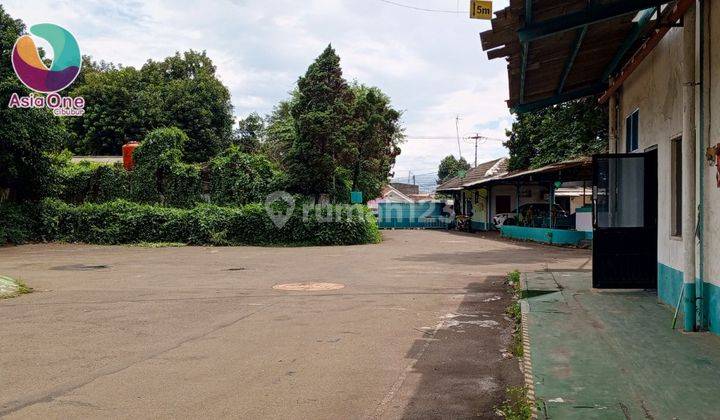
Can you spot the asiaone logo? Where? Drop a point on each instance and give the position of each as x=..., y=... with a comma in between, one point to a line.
x=33, y=73
x=30, y=68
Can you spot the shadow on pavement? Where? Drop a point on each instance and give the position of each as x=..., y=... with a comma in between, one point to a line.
x=463, y=366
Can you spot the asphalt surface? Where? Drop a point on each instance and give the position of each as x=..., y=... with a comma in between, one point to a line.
x=418, y=331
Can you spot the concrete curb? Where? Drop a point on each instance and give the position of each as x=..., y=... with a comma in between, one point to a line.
x=527, y=359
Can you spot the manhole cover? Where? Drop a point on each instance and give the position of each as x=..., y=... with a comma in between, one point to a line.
x=308, y=287
x=80, y=267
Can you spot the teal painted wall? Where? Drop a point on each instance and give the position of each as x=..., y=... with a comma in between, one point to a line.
x=479, y=225
x=670, y=282
x=543, y=235
x=712, y=306
x=410, y=215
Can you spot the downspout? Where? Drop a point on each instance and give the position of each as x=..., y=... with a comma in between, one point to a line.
x=703, y=12
x=688, y=170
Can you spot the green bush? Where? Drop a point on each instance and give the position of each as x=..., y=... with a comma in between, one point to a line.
x=160, y=176
x=123, y=222
x=91, y=182
x=238, y=178
x=17, y=223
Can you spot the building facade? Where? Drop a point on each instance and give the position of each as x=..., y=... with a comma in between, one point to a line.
x=667, y=105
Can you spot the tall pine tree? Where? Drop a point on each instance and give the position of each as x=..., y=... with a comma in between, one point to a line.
x=321, y=114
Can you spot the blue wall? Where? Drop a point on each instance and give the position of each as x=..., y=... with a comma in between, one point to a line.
x=411, y=215
x=544, y=235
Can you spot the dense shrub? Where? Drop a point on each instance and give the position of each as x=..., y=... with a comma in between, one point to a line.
x=121, y=222
x=160, y=176
x=92, y=182
x=238, y=178
x=18, y=223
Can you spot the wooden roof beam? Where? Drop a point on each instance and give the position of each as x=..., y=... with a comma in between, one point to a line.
x=593, y=14
x=571, y=58
x=563, y=97
x=632, y=37
x=525, y=49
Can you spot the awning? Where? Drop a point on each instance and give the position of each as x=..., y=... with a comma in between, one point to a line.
x=559, y=50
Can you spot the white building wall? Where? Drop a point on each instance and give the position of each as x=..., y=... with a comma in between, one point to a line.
x=655, y=89
x=711, y=229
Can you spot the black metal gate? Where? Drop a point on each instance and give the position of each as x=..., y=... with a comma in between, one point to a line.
x=625, y=221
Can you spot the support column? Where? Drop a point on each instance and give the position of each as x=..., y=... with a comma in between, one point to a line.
x=688, y=171
x=517, y=204
x=612, y=124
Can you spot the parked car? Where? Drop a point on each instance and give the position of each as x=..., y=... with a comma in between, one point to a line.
x=533, y=214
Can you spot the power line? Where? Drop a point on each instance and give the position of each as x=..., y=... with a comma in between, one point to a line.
x=421, y=9
x=449, y=138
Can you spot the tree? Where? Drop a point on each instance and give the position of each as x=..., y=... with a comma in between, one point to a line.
x=250, y=132
x=557, y=133
x=280, y=133
x=321, y=114
x=123, y=103
x=28, y=137
x=373, y=140
x=451, y=167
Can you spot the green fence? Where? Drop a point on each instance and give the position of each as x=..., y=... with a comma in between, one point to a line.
x=427, y=215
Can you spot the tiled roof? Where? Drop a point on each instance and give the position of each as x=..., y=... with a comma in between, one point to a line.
x=475, y=174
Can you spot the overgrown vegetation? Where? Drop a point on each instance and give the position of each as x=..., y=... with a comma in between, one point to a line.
x=557, y=133
x=330, y=138
x=514, y=312
x=516, y=405
x=123, y=222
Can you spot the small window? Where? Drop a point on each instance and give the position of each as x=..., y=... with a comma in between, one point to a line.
x=631, y=132
x=677, y=181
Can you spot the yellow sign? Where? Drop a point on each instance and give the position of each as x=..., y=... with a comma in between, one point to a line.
x=481, y=9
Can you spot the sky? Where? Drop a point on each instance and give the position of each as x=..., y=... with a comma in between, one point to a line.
x=431, y=64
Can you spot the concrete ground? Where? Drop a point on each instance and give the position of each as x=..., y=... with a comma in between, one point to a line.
x=613, y=354
x=418, y=330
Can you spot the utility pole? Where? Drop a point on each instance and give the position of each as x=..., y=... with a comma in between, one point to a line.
x=457, y=133
x=476, y=137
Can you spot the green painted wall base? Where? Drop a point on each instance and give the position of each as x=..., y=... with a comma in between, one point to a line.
x=670, y=282
x=544, y=235
x=479, y=226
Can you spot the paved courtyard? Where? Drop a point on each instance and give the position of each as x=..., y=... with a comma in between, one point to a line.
x=612, y=354
x=418, y=330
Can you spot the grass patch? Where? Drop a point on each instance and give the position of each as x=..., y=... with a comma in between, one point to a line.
x=159, y=244
x=514, y=312
x=516, y=405
x=22, y=288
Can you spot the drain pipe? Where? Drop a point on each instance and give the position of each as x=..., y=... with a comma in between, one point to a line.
x=703, y=15
x=688, y=170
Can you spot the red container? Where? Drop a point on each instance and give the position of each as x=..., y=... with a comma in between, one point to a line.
x=127, y=153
